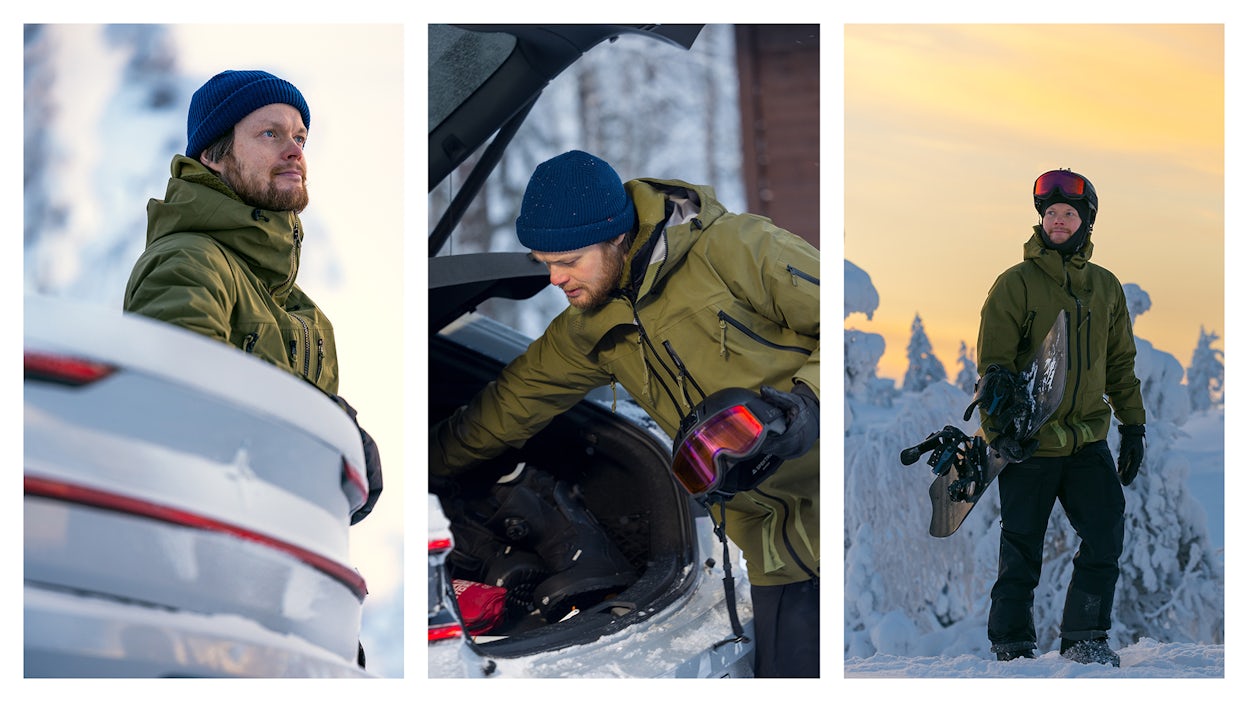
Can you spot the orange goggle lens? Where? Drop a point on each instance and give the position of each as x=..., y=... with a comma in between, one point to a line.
x=734, y=432
x=1070, y=184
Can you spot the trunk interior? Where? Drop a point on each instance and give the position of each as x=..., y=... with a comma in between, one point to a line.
x=617, y=472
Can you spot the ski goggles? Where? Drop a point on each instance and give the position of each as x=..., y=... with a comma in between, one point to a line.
x=1070, y=184
x=724, y=431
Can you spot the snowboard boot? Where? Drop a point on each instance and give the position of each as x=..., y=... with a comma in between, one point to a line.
x=586, y=566
x=479, y=555
x=1090, y=651
x=1011, y=651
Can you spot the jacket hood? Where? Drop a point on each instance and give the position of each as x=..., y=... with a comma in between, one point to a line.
x=198, y=201
x=671, y=215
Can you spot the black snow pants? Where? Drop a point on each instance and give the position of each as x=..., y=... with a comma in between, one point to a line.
x=1087, y=485
x=786, y=630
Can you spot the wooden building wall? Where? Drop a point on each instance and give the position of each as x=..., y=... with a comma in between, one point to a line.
x=779, y=73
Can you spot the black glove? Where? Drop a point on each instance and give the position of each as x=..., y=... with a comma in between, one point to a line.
x=801, y=410
x=372, y=464
x=1130, y=452
x=1013, y=451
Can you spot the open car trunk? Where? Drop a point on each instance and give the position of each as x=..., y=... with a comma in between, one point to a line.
x=618, y=470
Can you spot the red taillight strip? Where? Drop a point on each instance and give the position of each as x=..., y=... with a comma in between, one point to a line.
x=352, y=478
x=92, y=497
x=444, y=632
x=67, y=370
x=439, y=545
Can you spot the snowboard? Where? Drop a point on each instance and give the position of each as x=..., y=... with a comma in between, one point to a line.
x=965, y=466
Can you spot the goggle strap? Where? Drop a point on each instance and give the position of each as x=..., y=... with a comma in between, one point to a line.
x=730, y=585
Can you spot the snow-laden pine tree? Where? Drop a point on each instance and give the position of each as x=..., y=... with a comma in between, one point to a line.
x=924, y=368
x=1206, y=377
x=863, y=350
x=968, y=375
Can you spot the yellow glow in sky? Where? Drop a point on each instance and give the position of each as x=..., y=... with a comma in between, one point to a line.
x=947, y=126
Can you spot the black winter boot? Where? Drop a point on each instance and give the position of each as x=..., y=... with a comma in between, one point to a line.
x=586, y=566
x=1090, y=651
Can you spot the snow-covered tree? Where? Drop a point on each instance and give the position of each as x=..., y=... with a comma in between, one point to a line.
x=924, y=368
x=863, y=350
x=968, y=374
x=1138, y=301
x=1206, y=377
x=861, y=296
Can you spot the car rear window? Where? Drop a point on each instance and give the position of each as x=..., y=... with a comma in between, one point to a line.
x=459, y=62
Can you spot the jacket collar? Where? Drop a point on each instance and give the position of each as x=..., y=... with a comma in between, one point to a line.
x=197, y=200
x=671, y=215
x=1051, y=261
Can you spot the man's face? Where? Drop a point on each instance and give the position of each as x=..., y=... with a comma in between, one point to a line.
x=266, y=167
x=589, y=275
x=1060, y=222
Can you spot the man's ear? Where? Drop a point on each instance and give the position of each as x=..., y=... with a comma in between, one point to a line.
x=214, y=166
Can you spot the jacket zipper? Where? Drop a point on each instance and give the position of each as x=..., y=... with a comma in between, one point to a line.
x=1075, y=363
x=320, y=358
x=643, y=340
x=307, y=345
x=798, y=273
x=784, y=533
x=725, y=317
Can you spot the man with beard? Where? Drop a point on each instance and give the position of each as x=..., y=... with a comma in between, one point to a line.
x=223, y=245
x=674, y=298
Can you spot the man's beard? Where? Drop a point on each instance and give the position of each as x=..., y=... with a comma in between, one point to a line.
x=257, y=191
x=612, y=269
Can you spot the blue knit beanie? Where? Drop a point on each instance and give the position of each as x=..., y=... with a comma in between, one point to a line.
x=572, y=201
x=230, y=96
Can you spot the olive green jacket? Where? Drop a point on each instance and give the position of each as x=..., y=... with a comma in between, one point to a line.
x=1100, y=355
x=219, y=267
x=737, y=300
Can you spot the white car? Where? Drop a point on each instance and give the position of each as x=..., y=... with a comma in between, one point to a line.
x=186, y=507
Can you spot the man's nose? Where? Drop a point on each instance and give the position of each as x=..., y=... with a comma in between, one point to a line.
x=558, y=277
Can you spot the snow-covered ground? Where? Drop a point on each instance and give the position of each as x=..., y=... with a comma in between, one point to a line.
x=916, y=606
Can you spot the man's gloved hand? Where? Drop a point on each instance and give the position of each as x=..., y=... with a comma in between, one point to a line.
x=801, y=410
x=1013, y=451
x=372, y=464
x=1130, y=452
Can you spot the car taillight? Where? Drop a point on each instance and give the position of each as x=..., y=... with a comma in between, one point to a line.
x=353, y=486
x=440, y=545
x=444, y=632
x=66, y=370
x=56, y=489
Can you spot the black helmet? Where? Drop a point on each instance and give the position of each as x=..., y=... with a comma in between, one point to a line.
x=1064, y=185
x=718, y=447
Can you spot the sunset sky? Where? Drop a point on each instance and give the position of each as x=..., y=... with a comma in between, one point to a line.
x=947, y=126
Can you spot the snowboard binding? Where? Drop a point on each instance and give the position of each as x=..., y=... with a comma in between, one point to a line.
x=953, y=450
x=1005, y=398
